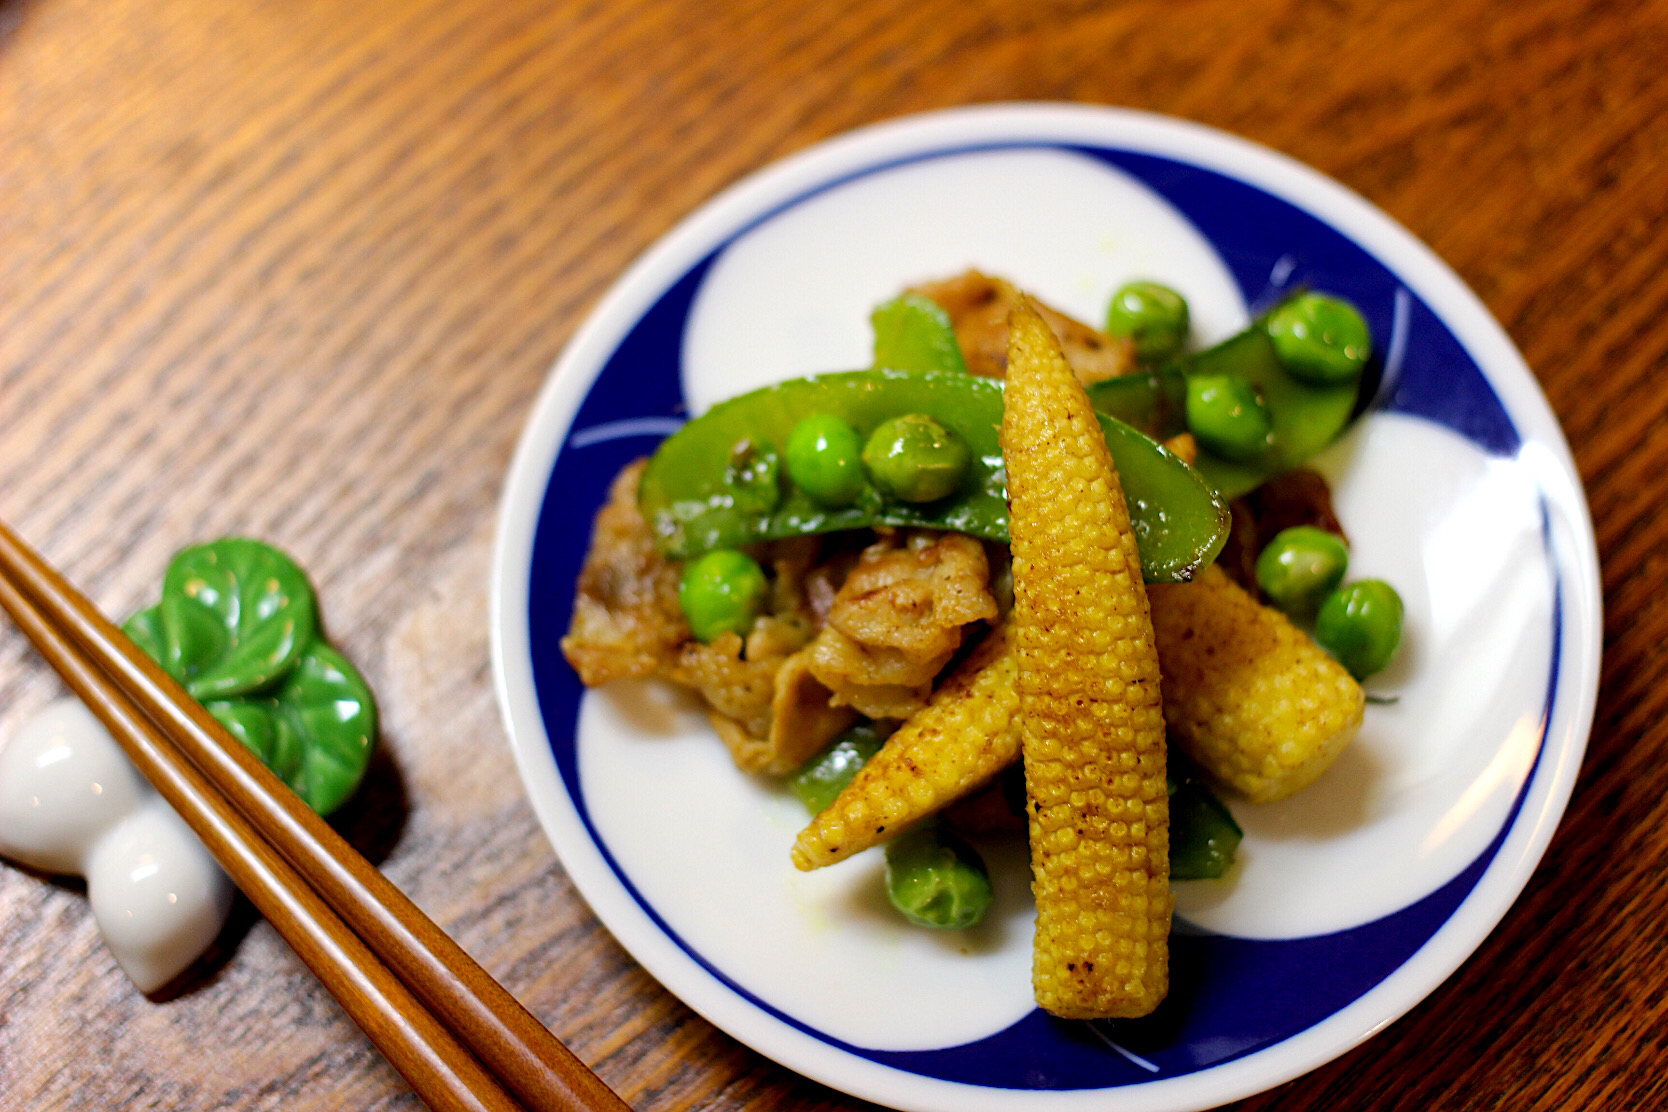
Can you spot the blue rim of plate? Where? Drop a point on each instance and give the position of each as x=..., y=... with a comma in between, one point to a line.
x=1251, y=1016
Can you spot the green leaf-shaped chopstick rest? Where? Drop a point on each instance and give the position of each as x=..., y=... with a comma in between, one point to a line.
x=237, y=626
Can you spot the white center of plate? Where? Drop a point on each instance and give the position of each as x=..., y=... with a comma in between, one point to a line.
x=1411, y=803
x=792, y=297
x=707, y=847
x=1432, y=776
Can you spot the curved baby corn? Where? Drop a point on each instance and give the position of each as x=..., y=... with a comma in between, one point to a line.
x=951, y=747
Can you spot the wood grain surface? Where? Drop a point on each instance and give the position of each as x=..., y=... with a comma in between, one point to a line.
x=296, y=269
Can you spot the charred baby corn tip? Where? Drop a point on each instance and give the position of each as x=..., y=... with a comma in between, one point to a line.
x=1248, y=695
x=955, y=745
x=1091, y=726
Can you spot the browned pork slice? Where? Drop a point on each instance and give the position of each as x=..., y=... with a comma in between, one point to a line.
x=978, y=306
x=626, y=619
x=761, y=697
x=899, y=617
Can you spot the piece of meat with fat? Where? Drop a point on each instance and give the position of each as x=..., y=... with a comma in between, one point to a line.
x=978, y=306
x=899, y=617
x=627, y=623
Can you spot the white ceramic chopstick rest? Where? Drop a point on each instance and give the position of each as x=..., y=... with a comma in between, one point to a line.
x=70, y=802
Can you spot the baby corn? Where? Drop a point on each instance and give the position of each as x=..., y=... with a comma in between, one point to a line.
x=1252, y=699
x=953, y=746
x=1090, y=720
x=1247, y=694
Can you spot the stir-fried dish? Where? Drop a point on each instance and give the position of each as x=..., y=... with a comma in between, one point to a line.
x=1021, y=573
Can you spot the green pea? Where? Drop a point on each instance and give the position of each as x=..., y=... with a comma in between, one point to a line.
x=1300, y=567
x=1320, y=339
x=936, y=880
x=824, y=460
x=722, y=592
x=1228, y=416
x=822, y=778
x=1153, y=316
x=1361, y=625
x=913, y=458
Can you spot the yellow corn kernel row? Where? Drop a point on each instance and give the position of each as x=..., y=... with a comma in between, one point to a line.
x=951, y=747
x=1092, y=730
x=1247, y=694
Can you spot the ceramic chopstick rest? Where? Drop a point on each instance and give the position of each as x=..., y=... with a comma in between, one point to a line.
x=71, y=803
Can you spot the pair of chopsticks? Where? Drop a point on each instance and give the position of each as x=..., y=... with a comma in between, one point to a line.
x=456, y=1035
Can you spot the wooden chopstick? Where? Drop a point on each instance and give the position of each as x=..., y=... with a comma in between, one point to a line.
x=313, y=879
x=437, y=1066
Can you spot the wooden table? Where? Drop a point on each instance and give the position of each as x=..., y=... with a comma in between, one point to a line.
x=297, y=269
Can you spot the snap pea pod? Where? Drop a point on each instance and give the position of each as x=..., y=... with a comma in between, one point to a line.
x=933, y=878
x=701, y=490
x=1203, y=834
x=1153, y=401
x=822, y=778
x=913, y=333
x=1304, y=416
x=936, y=880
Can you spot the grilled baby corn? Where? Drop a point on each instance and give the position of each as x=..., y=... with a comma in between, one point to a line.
x=953, y=746
x=1252, y=698
x=1247, y=694
x=1090, y=720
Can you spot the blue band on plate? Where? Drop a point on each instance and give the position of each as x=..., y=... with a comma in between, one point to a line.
x=1230, y=997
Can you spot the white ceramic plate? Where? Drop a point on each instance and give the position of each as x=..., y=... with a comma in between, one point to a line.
x=1351, y=902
